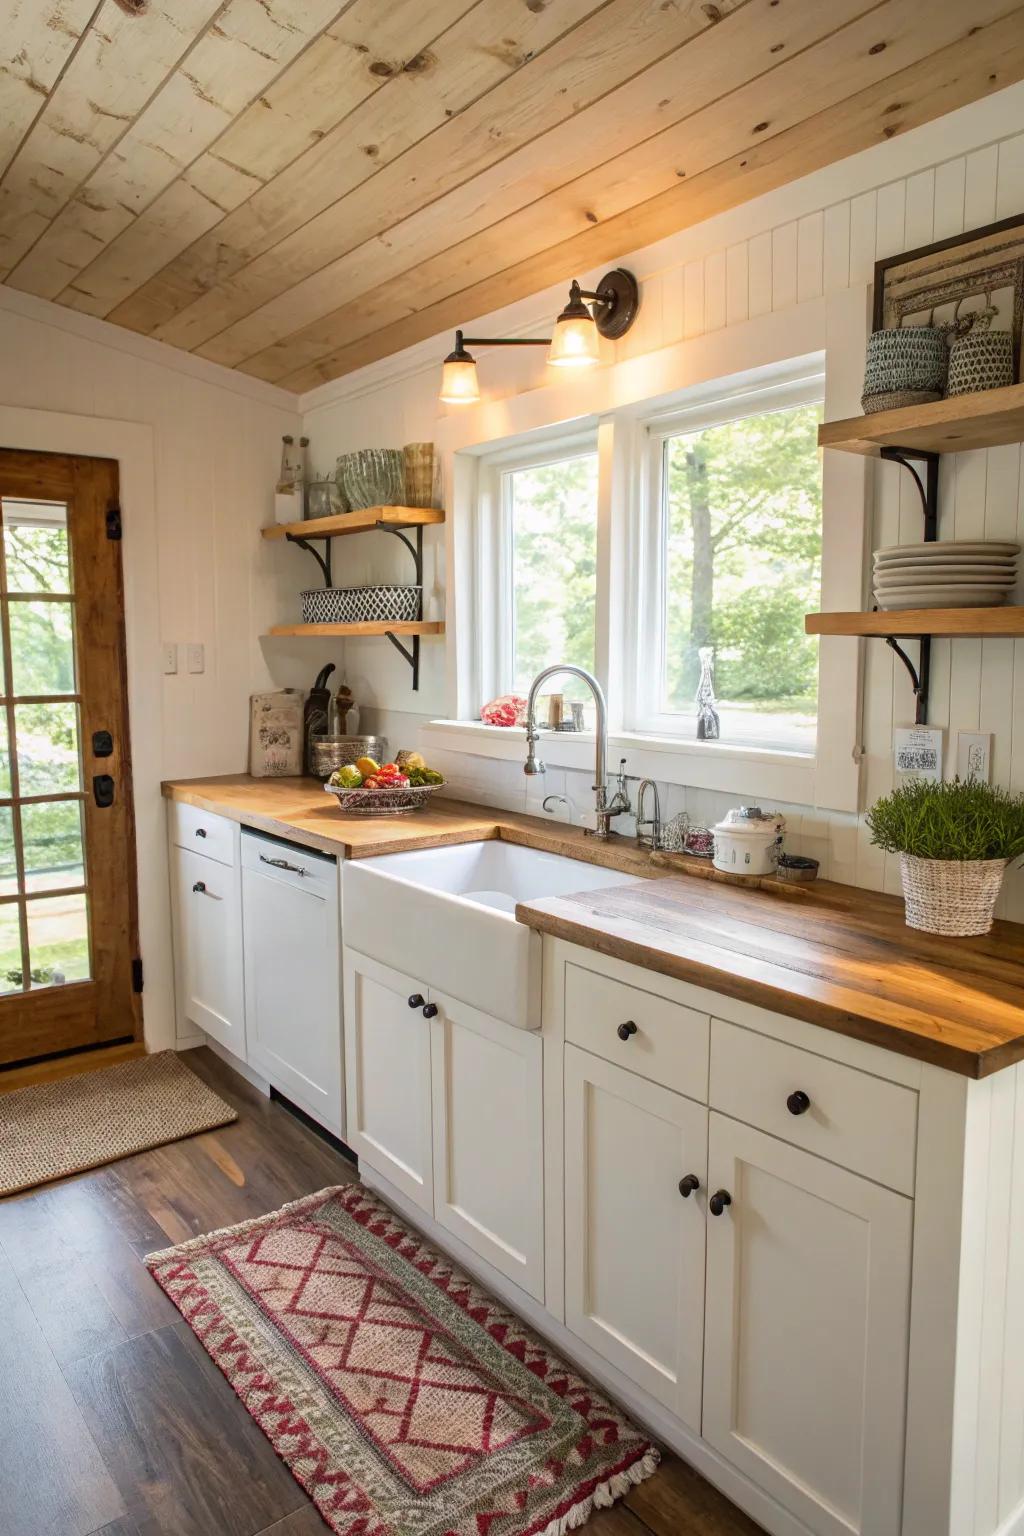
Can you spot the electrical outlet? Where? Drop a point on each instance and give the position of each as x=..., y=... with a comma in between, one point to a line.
x=170, y=659
x=196, y=656
x=974, y=756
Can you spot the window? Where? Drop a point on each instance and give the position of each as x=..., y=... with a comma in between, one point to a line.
x=734, y=534
x=546, y=557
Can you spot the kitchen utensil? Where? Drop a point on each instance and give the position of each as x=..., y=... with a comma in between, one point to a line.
x=360, y=605
x=373, y=477
x=382, y=802
x=748, y=841
x=330, y=752
x=314, y=713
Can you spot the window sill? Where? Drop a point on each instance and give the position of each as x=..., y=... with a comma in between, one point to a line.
x=733, y=769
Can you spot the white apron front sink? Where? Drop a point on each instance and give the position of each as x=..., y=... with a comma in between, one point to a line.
x=447, y=917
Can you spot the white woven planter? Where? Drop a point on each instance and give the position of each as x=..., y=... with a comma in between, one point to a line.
x=951, y=896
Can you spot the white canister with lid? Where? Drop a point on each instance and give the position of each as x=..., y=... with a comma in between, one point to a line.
x=748, y=841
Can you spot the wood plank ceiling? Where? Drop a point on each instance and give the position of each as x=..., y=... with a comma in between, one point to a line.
x=295, y=188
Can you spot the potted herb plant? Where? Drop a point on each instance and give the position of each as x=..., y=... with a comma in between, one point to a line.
x=955, y=841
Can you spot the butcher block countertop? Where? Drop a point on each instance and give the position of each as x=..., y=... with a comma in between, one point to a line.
x=833, y=955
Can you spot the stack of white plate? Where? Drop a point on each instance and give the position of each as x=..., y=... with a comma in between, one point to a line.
x=952, y=573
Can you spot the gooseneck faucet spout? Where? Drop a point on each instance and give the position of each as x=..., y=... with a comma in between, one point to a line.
x=605, y=808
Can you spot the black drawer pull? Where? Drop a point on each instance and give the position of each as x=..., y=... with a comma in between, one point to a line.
x=798, y=1103
x=688, y=1184
x=625, y=1030
x=718, y=1202
x=200, y=831
x=199, y=887
x=416, y=1001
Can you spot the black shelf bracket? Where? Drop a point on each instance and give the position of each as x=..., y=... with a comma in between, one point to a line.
x=322, y=560
x=928, y=490
x=412, y=657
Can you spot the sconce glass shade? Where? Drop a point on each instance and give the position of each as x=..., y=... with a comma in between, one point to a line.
x=574, y=344
x=459, y=384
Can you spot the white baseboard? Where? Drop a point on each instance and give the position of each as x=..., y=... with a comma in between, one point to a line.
x=649, y=1413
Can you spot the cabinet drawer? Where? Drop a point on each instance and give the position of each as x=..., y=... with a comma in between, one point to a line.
x=667, y=1043
x=315, y=873
x=858, y=1121
x=213, y=836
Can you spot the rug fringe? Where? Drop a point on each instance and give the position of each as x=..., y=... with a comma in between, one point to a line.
x=605, y=1494
x=177, y=1250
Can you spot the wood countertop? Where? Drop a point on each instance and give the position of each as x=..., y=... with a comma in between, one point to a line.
x=833, y=955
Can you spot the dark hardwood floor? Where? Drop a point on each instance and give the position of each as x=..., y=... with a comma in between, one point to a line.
x=113, y=1420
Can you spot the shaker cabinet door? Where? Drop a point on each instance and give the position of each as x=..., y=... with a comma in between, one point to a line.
x=808, y=1292
x=634, y=1243
x=387, y=1076
x=207, y=908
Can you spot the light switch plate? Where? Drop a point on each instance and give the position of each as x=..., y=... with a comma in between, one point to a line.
x=196, y=657
x=974, y=755
x=170, y=659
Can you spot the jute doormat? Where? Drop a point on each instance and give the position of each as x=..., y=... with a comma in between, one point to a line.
x=400, y=1395
x=53, y=1129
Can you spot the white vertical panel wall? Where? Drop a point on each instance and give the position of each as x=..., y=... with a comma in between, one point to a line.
x=818, y=235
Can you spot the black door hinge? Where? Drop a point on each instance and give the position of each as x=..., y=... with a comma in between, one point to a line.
x=113, y=522
x=137, y=975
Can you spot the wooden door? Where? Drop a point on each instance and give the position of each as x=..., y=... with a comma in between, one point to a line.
x=68, y=917
x=634, y=1244
x=387, y=1076
x=293, y=974
x=489, y=1138
x=808, y=1301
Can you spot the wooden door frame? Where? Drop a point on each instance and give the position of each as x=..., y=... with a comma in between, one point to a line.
x=132, y=445
x=106, y=1007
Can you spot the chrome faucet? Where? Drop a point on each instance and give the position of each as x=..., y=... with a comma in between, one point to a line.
x=604, y=808
x=648, y=829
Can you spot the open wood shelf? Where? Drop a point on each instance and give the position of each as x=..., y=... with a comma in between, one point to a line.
x=983, y=420
x=910, y=623
x=341, y=523
x=395, y=627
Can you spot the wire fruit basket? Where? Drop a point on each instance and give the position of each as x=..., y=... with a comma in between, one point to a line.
x=382, y=802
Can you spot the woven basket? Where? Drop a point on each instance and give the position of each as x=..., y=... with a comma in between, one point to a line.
x=896, y=399
x=951, y=896
x=980, y=360
x=912, y=358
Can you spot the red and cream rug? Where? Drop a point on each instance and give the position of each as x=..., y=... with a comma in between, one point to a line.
x=402, y=1397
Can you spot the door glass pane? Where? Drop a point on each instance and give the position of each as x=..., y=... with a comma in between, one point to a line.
x=5, y=756
x=42, y=647
x=47, y=736
x=51, y=835
x=10, y=949
x=8, y=863
x=36, y=546
x=58, y=939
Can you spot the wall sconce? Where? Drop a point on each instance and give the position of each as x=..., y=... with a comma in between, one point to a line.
x=607, y=311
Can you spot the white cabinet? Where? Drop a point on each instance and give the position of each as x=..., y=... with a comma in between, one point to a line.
x=808, y=1300
x=387, y=1076
x=634, y=1260
x=488, y=1138
x=291, y=943
x=207, y=911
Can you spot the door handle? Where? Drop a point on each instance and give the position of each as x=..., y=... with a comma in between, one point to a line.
x=294, y=869
x=103, y=790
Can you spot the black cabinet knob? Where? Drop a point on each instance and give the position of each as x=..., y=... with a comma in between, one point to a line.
x=798, y=1103
x=625, y=1030
x=718, y=1202
x=200, y=831
x=688, y=1184
x=430, y=1011
x=199, y=886
x=416, y=1001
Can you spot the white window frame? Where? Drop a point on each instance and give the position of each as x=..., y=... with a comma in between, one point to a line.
x=801, y=382
x=495, y=596
x=613, y=402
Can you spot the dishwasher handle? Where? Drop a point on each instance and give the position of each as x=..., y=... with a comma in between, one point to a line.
x=293, y=869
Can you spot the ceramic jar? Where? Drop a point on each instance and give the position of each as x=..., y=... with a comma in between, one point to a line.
x=748, y=841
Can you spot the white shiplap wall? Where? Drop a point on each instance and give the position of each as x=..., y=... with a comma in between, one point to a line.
x=816, y=236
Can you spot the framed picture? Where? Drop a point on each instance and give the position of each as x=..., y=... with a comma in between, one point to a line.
x=982, y=268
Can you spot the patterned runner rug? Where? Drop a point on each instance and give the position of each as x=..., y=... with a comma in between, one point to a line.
x=402, y=1397
x=53, y=1129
